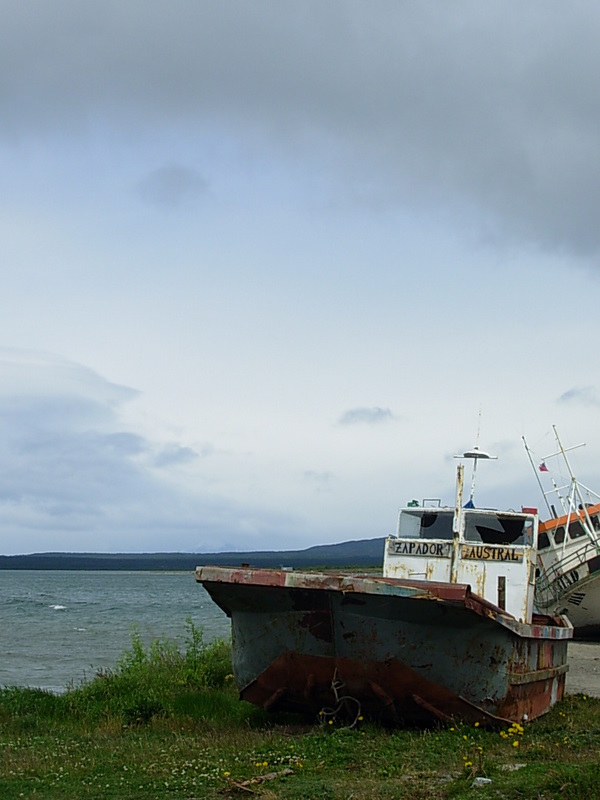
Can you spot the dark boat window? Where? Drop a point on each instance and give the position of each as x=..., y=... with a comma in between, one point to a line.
x=595, y=522
x=425, y=525
x=497, y=529
x=543, y=540
x=559, y=535
x=436, y=526
x=576, y=530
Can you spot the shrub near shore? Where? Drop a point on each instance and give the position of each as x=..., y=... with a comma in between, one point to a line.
x=167, y=723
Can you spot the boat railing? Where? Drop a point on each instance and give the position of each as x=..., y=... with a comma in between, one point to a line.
x=551, y=584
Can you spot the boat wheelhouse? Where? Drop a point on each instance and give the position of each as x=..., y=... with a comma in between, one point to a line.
x=492, y=551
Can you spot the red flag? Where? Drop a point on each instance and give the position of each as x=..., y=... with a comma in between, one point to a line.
x=542, y=467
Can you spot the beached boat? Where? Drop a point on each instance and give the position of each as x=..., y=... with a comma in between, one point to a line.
x=569, y=547
x=446, y=632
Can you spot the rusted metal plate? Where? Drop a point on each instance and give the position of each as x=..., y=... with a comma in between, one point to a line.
x=404, y=650
x=458, y=593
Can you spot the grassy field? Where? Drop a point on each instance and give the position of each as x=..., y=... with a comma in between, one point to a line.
x=166, y=723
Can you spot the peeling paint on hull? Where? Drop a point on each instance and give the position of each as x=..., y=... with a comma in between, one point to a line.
x=407, y=651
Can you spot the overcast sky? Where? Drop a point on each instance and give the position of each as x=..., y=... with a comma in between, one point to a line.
x=267, y=266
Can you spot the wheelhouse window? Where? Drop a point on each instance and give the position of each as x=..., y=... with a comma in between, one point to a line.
x=425, y=524
x=499, y=529
x=543, y=540
x=559, y=535
x=576, y=530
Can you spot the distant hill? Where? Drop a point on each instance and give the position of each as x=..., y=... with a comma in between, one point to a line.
x=360, y=553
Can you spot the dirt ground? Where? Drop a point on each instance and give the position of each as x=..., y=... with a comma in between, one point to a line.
x=584, y=668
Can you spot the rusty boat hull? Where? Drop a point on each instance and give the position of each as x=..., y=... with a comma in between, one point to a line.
x=399, y=651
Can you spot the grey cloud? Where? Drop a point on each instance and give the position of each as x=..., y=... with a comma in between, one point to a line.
x=72, y=477
x=125, y=444
x=33, y=374
x=66, y=455
x=171, y=186
x=465, y=107
x=54, y=465
x=174, y=454
x=374, y=415
x=584, y=395
x=320, y=479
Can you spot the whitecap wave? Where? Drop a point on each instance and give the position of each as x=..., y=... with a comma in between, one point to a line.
x=57, y=607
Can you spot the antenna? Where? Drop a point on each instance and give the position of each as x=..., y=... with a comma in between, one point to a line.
x=537, y=476
x=476, y=454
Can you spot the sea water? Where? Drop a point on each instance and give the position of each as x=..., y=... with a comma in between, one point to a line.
x=58, y=628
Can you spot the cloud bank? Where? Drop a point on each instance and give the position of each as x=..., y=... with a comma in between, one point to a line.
x=369, y=416
x=73, y=477
x=464, y=106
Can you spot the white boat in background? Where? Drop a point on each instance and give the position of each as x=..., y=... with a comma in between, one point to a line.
x=569, y=548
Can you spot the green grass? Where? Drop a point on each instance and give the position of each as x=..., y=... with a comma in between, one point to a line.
x=167, y=723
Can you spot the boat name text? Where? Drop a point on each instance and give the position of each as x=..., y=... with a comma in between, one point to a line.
x=444, y=550
x=564, y=582
x=420, y=548
x=484, y=553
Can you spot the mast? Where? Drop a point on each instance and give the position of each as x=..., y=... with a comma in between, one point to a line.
x=570, y=496
x=575, y=496
x=537, y=476
x=475, y=454
x=457, y=523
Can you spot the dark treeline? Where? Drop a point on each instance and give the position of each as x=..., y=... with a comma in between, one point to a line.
x=362, y=553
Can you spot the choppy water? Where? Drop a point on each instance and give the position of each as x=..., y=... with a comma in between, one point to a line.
x=57, y=628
